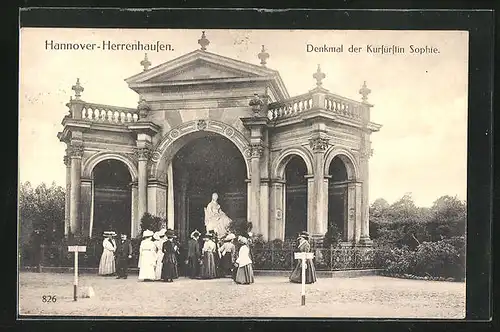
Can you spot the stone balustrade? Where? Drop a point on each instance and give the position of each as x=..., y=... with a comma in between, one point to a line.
x=109, y=114
x=290, y=107
x=341, y=106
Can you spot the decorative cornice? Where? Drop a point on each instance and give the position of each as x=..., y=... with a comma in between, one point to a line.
x=318, y=144
x=366, y=154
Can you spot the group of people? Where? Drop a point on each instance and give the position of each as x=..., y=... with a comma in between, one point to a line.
x=212, y=258
x=159, y=256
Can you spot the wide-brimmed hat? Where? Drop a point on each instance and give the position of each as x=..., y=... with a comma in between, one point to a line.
x=156, y=235
x=170, y=233
x=162, y=232
x=109, y=233
x=242, y=239
x=207, y=236
x=147, y=233
x=230, y=237
x=195, y=233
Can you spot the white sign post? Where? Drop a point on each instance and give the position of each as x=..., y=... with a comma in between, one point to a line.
x=76, y=250
x=303, y=256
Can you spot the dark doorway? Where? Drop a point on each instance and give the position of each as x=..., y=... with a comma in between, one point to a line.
x=112, y=197
x=337, y=196
x=203, y=166
x=296, y=197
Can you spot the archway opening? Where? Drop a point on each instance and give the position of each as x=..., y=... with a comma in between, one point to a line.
x=205, y=165
x=295, y=197
x=337, y=196
x=112, y=197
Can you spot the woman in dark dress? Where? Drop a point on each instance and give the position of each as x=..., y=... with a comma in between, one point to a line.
x=296, y=275
x=227, y=253
x=169, y=270
x=193, y=256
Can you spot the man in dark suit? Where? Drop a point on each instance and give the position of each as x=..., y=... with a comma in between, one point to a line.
x=123, y=254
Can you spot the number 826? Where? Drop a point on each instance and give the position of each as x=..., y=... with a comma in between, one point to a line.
x=49, y=299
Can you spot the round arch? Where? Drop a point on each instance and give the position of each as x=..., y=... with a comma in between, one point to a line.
x=179, y=136
x=95, y=159
x=347, y=157
x=279, y=164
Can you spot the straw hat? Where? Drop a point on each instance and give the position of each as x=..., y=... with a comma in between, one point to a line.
x=162, y=232
x=230, y=237
x=195, y=233
x=109, y=233
x=156, y=235
x=242, y=240
x=147, y=233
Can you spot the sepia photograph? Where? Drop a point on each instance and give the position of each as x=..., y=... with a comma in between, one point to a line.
x=174, y=173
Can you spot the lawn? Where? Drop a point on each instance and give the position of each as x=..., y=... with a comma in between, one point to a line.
x=368, y=296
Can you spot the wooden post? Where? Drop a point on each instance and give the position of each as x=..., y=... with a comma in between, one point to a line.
x=76, y=250
x=303, y=256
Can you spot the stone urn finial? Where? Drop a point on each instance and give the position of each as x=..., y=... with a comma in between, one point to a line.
x=364, y=92
x=319, y=76
x=78, y=89
x=203, y=41
x=146, y=63
x=263, y=56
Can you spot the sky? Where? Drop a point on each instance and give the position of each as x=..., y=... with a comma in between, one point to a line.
x=419, y=99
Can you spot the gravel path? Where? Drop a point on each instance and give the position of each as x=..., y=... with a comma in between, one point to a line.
x=371, y=296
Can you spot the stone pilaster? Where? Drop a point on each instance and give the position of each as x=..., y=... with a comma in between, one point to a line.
x=86, y=206
x=257, y=126
x=276, y=206
x=170, y=197
x=256, y=153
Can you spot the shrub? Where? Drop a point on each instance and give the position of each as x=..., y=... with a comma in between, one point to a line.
x=445, y=258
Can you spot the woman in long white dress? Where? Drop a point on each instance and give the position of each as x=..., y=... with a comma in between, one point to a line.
x=215, y=219
x=107, y=263
x=160, y=239
x=147, y=257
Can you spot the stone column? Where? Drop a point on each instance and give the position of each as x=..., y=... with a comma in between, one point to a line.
x=256, y=153
x=318, y=146
x=67, y=199
x=311, y=205
x=365, y=205
x=142, y=156
x=76, y=165
x=170, y=197
x=135, y=219
x=264, y=209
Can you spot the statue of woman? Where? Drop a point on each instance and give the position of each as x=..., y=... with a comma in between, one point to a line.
x=215, y=219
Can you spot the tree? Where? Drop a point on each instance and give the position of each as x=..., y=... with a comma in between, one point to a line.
x=41, y=208
x=448, y=216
